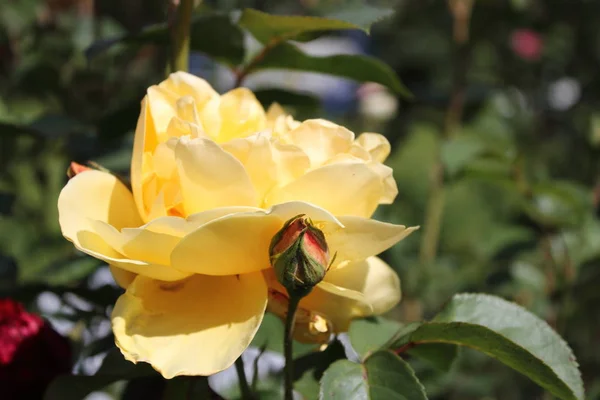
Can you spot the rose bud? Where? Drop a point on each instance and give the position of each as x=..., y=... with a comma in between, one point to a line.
x=75, y=168
x=300, y=256
x=32, y=354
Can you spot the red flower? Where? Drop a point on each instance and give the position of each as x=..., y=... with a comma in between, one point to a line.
x=527, y=44
x=31, y=353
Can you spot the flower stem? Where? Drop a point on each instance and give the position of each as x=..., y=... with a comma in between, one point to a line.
x=288, y=343
x=243, y=381
x=181, y=36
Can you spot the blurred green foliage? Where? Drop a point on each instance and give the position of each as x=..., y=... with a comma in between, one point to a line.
x=505, y=186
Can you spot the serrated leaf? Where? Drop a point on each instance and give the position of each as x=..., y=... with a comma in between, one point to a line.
x=382, y=376
x=504, y=331
x=212, y=34
x=267, y=27
x=368, y=335
x=356, y=67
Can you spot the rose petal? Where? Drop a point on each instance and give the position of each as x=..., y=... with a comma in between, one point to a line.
x=185, y=84
x=377, y=145
x=145, y=142
x=239, y=243
x=347, y=188
x=241, y=115
x=268, y=163
x=390, y=188
x=198, y=326
x=95, y=195
x=320, y=140
x=210, y=177
x=362, y=237
x=374, y=279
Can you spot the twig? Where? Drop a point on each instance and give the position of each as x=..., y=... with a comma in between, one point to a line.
x=243, y=381
x=181, y=36
x=242, y=73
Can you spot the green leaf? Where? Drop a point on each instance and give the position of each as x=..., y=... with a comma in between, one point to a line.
x=368, y=335
x=286, y=98
x=356, y=67
x=559, y=203
x=504, y=331
x=371, y=334
x=363, y=15
x=459, y=152
x=212, y=34
x=383, y=376
x=266, y=27
x=114, y=368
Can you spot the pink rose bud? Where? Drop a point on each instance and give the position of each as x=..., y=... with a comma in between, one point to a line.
x=527, y=44
x=300, y=256
x=75, y=169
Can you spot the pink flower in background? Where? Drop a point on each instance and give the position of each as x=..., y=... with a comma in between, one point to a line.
x=32, y=354
x=527, y=44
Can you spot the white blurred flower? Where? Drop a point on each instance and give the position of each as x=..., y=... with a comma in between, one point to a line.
x=376, y=102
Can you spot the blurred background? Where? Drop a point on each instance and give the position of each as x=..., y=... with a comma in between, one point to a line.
x=496, y=156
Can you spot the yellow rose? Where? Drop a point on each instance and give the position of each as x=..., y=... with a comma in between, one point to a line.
x=213, y=179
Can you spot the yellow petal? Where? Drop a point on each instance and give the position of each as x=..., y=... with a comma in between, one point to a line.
x=347, y=188
x=320, y=140
x=274, y=112
x=210, y=177
x=256, y=154
x=291, y=162
x=231, y=245
x=373, y=278
x=163, y=159
x=95, y=195
x=185, y=84
x=93, y=199
x=198, y=326
x=145, y=142
x=93, y=244
x=239, y=243
x=162, y=107
x=362, y=237
x=318, y=215
x=377, y=145
x=122, y=277
x=152, y=243
x=268, y=163
x=241, y=115
x=390, y=189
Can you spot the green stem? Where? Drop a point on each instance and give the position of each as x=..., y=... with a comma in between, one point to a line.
x=288, y=344
x=433, y=218
x=461, y=13
x=181, y=36
x=243, y=381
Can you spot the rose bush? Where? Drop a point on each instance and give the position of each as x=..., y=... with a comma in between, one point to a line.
x=213, y=179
